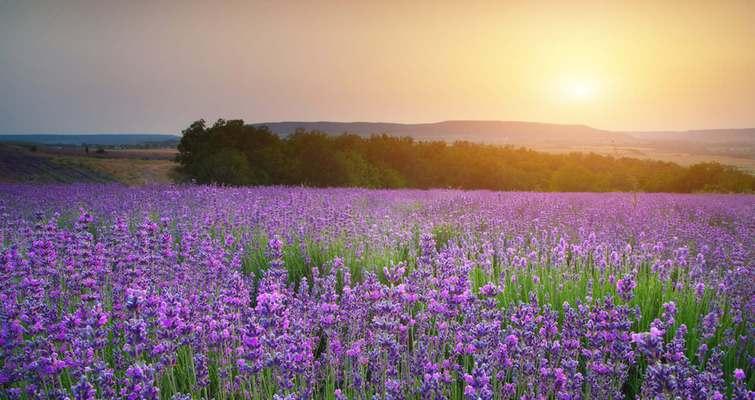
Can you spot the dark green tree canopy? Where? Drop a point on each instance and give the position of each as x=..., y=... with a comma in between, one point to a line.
x=232, y=153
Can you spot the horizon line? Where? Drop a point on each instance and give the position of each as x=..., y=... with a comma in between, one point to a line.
x=83, y=133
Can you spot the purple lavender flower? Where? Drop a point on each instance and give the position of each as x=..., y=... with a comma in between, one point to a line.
x=209, y=292
x=625, y=287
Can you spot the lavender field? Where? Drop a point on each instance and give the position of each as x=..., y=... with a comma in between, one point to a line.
x=191, y=292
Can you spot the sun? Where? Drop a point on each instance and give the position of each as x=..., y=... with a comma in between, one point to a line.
x=581, y=90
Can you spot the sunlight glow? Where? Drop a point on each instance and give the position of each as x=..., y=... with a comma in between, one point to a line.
x=580, y=90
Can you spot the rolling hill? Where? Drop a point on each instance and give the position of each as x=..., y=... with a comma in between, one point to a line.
x=702, y=136
x=494, y=132
x=727, y=146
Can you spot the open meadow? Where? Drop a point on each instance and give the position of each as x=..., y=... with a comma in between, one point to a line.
x=55, y=164
x=179, y=292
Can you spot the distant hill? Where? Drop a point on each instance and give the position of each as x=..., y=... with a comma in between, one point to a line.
x=702, y=136
x=727, y=146
x=92, y=139
x=494, y=132
x=516, y=132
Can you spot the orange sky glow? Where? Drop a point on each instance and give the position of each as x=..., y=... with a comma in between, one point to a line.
x=156, y=66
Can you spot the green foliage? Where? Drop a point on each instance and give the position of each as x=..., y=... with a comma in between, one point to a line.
x=572, y=178
x=442, y=234
x=230, y=152
x=228, y=166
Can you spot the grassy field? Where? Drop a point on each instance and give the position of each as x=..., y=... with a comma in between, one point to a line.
x=134, y=153
x=18, y=164
x=66, y=165
x=131, y=171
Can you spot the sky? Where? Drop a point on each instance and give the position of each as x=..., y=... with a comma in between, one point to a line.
x=156, y=66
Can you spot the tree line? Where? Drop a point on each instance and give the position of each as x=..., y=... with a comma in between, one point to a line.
x=232, y=153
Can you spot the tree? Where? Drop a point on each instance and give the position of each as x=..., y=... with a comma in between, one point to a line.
x=227, y=166
x=231, y=152
x=572, y=178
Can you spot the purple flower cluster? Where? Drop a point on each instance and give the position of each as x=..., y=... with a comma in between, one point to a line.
x=290, y=293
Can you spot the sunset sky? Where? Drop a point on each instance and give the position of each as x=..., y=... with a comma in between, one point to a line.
x=130, y=66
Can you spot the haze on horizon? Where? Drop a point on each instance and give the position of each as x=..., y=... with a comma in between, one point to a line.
x=88, y=66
